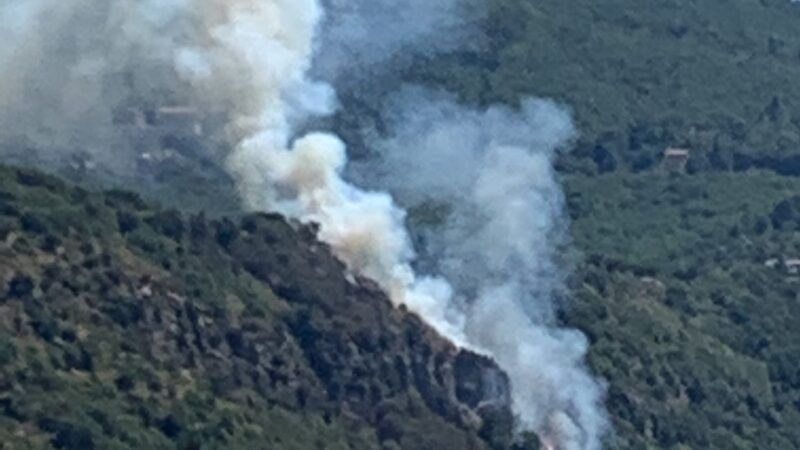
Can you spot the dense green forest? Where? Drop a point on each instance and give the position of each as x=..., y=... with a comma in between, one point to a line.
x=684, y=280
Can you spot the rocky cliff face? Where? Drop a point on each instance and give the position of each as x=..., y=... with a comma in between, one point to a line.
x=123, y=326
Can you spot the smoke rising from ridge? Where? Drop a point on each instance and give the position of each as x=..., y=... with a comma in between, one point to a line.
x=494, y=248
x=495, y=241
x=265, y=50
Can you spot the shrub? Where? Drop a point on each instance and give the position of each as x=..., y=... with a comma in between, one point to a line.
x=168, y=223
x=227, y=232
x=785, y=215
x=126, y=221
x=20, y=286
x=33, y=178
x=116, y=198
x=73, y=438
x=170, y=426
x=33, y=223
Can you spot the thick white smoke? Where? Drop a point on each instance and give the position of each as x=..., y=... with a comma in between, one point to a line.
x=252, y=59
x=261, y=52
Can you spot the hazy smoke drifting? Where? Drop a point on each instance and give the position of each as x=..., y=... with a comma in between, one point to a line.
x=64, y=69
x=366, y=33
x=495, y=238
x=73, y=64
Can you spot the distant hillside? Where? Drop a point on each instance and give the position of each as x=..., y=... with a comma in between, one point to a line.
x=688, y=297
x=716, y=76
x=163, y=330
x=124, y=326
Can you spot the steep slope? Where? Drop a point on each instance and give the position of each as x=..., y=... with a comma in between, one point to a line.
x=123, y=326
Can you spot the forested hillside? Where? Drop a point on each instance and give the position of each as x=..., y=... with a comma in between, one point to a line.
x=241, y=333
x=718, y=76
x=124, y=326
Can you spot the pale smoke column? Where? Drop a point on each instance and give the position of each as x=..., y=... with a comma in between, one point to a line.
x=497, y=243
x=259, y=52
x=521, y=205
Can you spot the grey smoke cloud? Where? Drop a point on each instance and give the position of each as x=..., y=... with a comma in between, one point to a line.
x=496, y=242
x=493, y=170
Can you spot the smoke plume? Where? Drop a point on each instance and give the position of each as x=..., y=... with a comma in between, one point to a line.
x=495, y=238
x=485, y=176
